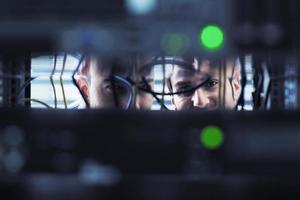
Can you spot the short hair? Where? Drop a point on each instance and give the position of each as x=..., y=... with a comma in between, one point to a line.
x=213, y=62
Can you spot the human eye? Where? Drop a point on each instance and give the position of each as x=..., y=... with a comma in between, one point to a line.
x=108, y=88
x=211, y=83
x=116, y=87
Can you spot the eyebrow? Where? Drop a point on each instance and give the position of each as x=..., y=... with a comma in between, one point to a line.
x=185, y=73
x=108, y=80
x=182, y=83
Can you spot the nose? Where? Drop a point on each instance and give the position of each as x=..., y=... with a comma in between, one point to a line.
x=200, y=99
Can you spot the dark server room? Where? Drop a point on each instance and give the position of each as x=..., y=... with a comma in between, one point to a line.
x=100, y=99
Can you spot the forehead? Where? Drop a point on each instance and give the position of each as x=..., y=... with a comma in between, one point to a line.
x=124, y=66
x=199, y=68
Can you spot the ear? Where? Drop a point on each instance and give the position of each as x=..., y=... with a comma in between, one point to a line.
x=83, y=85
x=236, y=84
x=82, y=79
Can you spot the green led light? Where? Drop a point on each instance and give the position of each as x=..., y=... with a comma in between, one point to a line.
x=174, y=43
x=211, y=137
x=211, y=37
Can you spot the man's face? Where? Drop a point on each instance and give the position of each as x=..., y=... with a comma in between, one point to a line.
x=109, y=86
x=211, y=95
